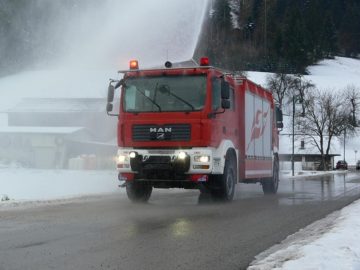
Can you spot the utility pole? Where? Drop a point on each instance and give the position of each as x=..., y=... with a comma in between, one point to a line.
x=344, y=143
x=295, y=98
x=293, y=135
x=265, y=29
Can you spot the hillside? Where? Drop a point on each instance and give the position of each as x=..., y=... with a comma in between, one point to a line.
x=279, y=35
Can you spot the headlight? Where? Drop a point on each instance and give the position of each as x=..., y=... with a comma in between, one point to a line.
x=121, y=158
x=132, y=155
x=202, y=159
x=182, y=155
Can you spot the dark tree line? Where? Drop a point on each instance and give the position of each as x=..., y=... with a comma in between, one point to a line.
x=280, y=35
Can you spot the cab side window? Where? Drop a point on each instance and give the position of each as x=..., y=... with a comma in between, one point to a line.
x=232, y=99
x=216, y=94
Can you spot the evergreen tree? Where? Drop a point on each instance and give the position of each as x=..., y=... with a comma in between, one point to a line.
x=294, y=40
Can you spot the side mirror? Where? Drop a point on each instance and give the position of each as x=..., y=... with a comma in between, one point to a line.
x=225, y=90
x=109, y=107
x=225, y=104
x=279, y=118
x=111, y=91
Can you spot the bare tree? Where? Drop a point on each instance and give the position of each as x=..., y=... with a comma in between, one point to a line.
x=326, y=116
x=300, y=87
x=280, y=85
x=285, y=85
x=352, y=97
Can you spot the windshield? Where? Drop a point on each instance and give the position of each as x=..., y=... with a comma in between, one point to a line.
x=170, y=93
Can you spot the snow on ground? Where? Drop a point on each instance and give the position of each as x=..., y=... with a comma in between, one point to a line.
x=300, y=174
x=327, y=74
x=328, y=244
x=333, y=242
x=22, y=185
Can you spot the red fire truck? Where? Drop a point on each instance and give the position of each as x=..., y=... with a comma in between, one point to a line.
x=194, y=127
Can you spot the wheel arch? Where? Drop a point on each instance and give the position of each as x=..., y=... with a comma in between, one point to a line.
x=225, y=149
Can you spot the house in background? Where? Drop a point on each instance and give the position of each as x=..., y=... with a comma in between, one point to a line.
x=306, y=156
x=3, y=119
x=39, y=147
x=89, y=113
x=59, y=133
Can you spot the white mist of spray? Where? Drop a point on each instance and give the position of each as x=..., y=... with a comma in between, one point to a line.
x=117, y=31
x=95, y=41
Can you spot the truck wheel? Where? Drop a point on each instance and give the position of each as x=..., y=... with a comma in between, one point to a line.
x=227, y=182
x=138, y=191
x=270, y=186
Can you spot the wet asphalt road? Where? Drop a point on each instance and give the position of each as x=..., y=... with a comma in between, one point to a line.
x=171, y=232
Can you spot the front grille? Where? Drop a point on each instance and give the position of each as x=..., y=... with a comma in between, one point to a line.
x=158, y=165
x=146, y=163
x=170, y=132
x=157, y=159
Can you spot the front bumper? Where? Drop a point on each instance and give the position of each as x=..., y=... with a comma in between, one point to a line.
x=165, y=161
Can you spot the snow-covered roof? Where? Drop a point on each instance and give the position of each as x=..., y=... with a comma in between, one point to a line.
x=42, y=130
x=3, y=119
x=60, y=105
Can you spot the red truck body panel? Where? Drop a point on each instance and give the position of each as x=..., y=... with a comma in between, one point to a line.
x=250, y=127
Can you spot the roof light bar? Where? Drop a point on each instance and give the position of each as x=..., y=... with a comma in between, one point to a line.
x=134, y=64
x=204, y=61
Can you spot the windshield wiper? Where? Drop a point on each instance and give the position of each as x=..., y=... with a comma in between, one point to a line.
x=165, y=89
x=151, y=100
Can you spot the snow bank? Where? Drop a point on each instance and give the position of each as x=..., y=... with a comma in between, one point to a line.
x=333, y=242
x=19, y=184
x=301, y=174
x=329, y=244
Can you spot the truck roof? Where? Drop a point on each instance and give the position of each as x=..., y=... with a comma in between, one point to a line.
x=191, y=67
x=184, y=65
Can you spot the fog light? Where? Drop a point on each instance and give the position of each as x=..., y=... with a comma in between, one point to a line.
x=182, y=155
x=201, y=167
x=202, y=159
x=123, y=166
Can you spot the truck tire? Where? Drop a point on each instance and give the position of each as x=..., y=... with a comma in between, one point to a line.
x=138, y=191
x=227, y=182
x=270, y=186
